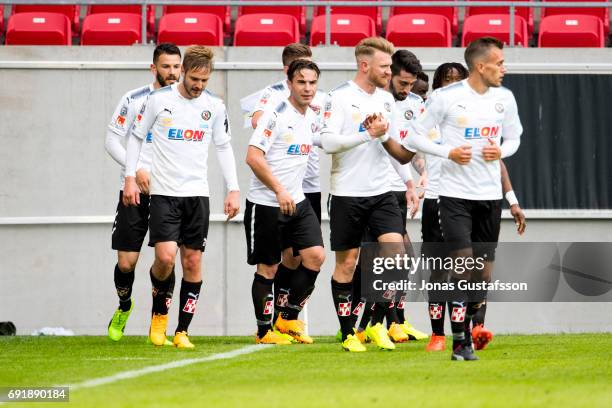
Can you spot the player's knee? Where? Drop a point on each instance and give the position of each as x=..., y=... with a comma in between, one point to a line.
x=314, y=259
x=126, y=265
x=192, y=262
x=166, y=260
x=267, y=271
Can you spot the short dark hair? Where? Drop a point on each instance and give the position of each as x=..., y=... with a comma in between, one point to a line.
x=423, y=77
x=300, y=64
x=405, y=60
x=479, y=48
x=165, y=48
x=295, y=51
x=444, y=69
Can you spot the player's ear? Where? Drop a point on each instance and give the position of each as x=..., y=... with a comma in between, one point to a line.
x=153, y=68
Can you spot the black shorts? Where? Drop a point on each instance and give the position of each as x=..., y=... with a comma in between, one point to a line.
x=268, y=231
x=471, y=224
x=131, y=225
x=400, y=196
x=183, y=220
x=315, y=203
x=350, y=216
x=430, y=221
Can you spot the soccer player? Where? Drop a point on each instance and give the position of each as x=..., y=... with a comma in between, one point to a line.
x=445, y=75
x=131, y=223
x=272, y=96
x=473, y=116
x=421, y=86
x=277, y=214
x=184, y=119
x=356, y=119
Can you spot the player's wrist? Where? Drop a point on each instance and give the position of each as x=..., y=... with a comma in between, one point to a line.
x=511, y=198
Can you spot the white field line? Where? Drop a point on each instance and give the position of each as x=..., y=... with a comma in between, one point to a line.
x=96, y=382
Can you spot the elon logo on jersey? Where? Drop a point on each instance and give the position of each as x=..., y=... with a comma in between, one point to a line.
x=299, y=149
x=479, y=133
x=185, y=134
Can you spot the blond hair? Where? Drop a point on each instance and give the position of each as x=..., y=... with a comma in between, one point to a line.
x=198, y=57
x=368, y=46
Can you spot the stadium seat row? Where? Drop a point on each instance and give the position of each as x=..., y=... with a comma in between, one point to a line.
x=280, y=25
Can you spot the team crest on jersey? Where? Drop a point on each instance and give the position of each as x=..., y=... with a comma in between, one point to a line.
x=388, y=106
x=206, y=115
x=409, y=114
x=316, y=109
x=499, y=107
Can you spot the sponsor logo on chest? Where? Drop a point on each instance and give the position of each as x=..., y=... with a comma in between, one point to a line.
x=188, y=135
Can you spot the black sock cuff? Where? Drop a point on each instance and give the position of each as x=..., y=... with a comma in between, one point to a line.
x=160, y=283
x=311, y=273
x=191, y=286
x=283, y=269
x=341, y=286
x=123, y=276
x=118, y=270
x=263, y=280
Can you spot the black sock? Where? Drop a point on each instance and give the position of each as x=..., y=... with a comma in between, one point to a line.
x=123, y=285
x=263, y=302
x=436, y=317
x=190, y=293
x=162, y=293
x=469, y=315
x=399, y=310
x=391, y=314
x=282, y=284
x=378, y=316
x=479, y=317
x=357, y=306
x=302, y=285
x=368, y=310
x=342, y=295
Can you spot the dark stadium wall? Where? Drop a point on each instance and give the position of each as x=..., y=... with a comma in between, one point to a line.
x=563, y=160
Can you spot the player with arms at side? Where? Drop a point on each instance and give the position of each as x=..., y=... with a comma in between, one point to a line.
x=184, y=119
x=277, y=213
x=131, y=223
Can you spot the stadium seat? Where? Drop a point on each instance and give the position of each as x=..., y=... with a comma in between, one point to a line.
x=111, y=29
x=346, y=29
x=451, y=13
x=299, y=12
x=372, y=11
x=1, y=18
x=525, y=12
x=191, y=28
x=497, y=26
x=602, y=13
x=38, y=28
x=266, y=30
x=223, y=12
x=129, y=8
x=73, y=12
x=419, y=30
x=571, y=31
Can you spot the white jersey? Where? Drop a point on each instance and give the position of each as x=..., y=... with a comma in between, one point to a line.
x=405, y=112
x=272, y=96
x=123, y=118
x=433, y=164
x=285, y=136
x=466, y=117
x=363, y=170
x=182, y=130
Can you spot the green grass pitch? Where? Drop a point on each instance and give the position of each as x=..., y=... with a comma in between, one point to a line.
x=515, y=371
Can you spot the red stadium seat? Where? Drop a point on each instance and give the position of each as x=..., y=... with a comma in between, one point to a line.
x=111, y=29
x=38, y=28
x=191, y=28
x=525, y=12
x=370, y=10
x=571, y=31
x=602, y=13
x=419, y=30
x=299, y=12
x=266, y=30
x=451, y=13
x=71, y=11
x=346, y=29
x=497, y=26
x=223, y=12
x=129, y=8
x=1, y=18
